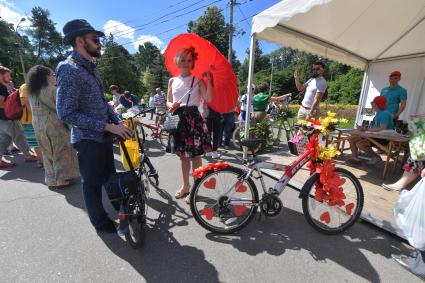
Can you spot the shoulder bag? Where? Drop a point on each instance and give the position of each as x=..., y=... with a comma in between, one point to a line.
x=172, y=124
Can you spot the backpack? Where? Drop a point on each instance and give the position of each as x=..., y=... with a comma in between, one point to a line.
x=13, y=108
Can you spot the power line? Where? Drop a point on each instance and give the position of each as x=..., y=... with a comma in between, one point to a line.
x=154, y=13
x=207, y=35
x=142, y=26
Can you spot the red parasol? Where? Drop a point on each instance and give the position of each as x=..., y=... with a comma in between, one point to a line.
x=209, y=59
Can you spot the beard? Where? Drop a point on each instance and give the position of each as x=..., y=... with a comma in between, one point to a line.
x=315, y=75
x=94, y=53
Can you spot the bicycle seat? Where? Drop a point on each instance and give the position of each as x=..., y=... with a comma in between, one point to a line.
x=252, y=144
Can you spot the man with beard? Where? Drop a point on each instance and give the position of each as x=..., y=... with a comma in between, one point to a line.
x=81, y=103
x=314, y=89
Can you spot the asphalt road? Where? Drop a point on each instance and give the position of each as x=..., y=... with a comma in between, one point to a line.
x=45, y=236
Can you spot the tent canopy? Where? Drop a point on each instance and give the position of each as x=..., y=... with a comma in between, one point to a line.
x=341, y=29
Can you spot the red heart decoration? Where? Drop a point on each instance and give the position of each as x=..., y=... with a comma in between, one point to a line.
x=210, y=184
x=349, y=208
x=208, y=212
x=240, y=188
x=325, y=217
x=239, y=209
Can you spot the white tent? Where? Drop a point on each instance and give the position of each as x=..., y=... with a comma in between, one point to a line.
x=377, y=36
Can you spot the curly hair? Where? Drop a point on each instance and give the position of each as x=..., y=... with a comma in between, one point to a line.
x=37, y=78
x=183, y=53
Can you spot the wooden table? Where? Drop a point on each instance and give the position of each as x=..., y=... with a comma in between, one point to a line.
x=396, y=144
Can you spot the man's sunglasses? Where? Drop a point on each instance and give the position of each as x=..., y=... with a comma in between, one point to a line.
x=95, y=40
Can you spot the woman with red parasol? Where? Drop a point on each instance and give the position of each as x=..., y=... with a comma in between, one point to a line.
x=185, y=93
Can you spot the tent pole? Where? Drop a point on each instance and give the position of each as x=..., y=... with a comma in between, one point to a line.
x=249, y=90
x=363, y=96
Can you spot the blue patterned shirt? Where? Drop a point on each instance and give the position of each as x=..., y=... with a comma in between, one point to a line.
x=80, y=100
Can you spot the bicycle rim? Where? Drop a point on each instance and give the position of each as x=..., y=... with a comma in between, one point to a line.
x=334, y=219
x=222, y=202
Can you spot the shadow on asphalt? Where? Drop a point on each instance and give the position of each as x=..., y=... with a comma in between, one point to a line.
x=276, y=235
x=30, y=173
x=163, y=258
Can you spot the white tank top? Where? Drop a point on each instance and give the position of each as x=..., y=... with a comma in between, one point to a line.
x=181, y=86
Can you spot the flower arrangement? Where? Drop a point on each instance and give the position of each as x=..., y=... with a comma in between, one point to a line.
x=329, y=189
x=200, y=172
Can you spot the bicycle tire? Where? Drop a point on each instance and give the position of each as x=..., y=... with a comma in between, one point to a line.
x=150, y=172
x=141, y=133
x=225, y=213
x=136, y=220
x=163, y=137
x=321, y=225
x=236, y=137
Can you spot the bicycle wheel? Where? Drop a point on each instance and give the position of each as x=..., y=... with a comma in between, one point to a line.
x=150, y=172
x=141, y=133
x=237, y=136
x=163, y=137
x=223, y=202
x=136, y=218
x=333, y=219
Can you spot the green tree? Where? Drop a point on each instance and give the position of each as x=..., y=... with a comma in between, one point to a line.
x=146, y=56
x=346, y=88
x=212, y=26
x=47, y=41
x=116, y=66
x=13, y=45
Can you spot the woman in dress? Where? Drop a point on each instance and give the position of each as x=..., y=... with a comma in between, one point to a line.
x=59, y=158
x=185, y=93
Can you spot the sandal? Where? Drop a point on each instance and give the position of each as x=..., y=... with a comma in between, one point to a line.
x=60, y=186
x=179, y=194
x=31, y=158
x=187, y=199
x=4, y=164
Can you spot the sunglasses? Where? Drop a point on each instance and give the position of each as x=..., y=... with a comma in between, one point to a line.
x=95, y=40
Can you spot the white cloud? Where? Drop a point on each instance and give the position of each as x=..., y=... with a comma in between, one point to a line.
x=11, y=16
x=147, y=38
x=118, y=29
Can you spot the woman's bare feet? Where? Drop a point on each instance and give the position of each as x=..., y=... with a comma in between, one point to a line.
x=184, y=191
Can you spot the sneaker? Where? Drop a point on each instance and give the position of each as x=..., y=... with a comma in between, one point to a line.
x=374, y=160
x=215, y=154
x=414, y=263
x=108, y=227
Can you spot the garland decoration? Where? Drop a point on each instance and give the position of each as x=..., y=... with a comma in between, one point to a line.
x=200, y=172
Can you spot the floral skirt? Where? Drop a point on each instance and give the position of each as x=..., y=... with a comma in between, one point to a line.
x=414, y=166
x=192, y=139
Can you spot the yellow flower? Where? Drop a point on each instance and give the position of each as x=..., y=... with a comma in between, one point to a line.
x=331, y=114
x=302, y=122
x=328, y=153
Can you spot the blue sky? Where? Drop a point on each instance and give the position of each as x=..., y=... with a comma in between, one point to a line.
x=128, y=19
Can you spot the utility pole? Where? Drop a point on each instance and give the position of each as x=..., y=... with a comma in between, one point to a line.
x=19, y=48
x=271, y=77
x=229, y=53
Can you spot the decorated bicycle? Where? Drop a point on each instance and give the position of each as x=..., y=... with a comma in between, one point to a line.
x=224, y=198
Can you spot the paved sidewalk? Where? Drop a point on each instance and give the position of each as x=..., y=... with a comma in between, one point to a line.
x=46, y=237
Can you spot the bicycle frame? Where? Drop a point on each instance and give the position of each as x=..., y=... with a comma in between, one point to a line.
x=289, y=171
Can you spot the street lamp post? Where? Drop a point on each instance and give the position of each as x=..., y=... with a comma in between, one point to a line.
x=19, y=48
